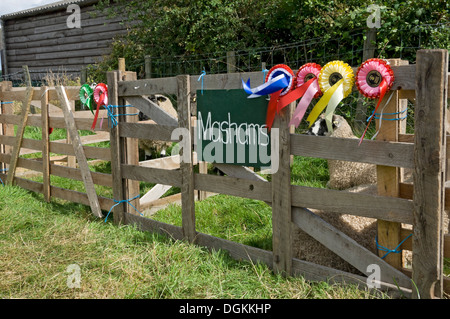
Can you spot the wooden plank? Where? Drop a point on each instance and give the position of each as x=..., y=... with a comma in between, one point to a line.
x=430, y=145
x=388, y=179
x=347, y=149
x=345, y=247
x=152, y=175
x=130, y=153
x=378, y=207
x=186, y=164
x=66, y=194
x=152, y=110
x=233, y=186
x=170, y=162
x=79, y=153
x=241, y=252
x=145, y=131
x=239, y=171
x=281, y=197
x=148, y=87
x=407, y=190
x=45, y=145
x=116, y=151
x=20, y=130
x=155, y=193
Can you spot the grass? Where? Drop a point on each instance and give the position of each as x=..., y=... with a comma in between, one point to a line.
x=39, y=240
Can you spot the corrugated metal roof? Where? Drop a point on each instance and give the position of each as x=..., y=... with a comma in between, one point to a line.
x=46, y=8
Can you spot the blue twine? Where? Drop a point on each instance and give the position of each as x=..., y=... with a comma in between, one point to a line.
x=112, y=117
x=123, y=201
x=377, y=116
x=3, y=170
x=387, y=250
x=202, y=75
x=264, y=74
x=6, y=102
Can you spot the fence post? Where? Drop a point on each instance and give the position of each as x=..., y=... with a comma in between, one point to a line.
x=281, y=198
x=186, y=167
x=148, y=67
x=429, y=181
x=231, y=62
x=130, y=153
x=45, y=144
x=388, y=178
x=116, y=150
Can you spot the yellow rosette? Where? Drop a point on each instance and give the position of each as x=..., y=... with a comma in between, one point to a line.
x=336, y=80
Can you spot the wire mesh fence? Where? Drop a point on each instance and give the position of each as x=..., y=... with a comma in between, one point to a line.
x=351, y=48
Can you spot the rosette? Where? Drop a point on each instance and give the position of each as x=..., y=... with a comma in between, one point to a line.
x=279, y=81
x=86, y=96
x=336, y=82
x=373, y=79
x=101, y=98
x=307, y=88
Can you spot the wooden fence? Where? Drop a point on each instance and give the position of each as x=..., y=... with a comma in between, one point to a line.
x=420, y=204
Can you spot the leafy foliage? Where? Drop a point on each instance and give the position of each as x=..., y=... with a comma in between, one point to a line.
x=167, y=28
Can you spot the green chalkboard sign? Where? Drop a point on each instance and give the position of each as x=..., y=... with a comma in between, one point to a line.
x=231, y=128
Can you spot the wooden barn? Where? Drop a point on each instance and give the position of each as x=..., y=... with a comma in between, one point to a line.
x=48, y=38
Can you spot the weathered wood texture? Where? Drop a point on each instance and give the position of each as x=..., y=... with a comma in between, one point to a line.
x=43, y=40
x=281, y=196
x=79, y=153
x=186, y=163
x=429, y=190
x=388, y=177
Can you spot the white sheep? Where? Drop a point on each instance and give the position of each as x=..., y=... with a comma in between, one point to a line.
x=344, y=174
x=151, y=148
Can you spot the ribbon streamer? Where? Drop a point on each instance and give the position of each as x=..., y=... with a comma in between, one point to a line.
x=336, y=81
x=373, y=79
x=279, y=81
x=308, y=72
x=328, y=96
x=101, y=98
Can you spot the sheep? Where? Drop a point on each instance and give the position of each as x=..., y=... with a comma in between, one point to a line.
x=343, y=174
x=151, y=148
x=349, y=177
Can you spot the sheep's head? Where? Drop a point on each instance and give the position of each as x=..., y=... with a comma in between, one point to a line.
x=340, y=127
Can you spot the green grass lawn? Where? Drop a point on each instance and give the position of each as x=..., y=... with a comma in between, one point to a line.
x=39, y=240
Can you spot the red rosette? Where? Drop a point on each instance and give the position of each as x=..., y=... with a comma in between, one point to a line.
x=101, y=94
x=370, y=75
x=305, y=73
x=282, y=69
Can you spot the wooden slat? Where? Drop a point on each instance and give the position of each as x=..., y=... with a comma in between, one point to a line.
x=155, y=193
x=388, y=177
x=347, y=149
x=186, y=163
x=240, y=187
x=148, y=87
x=147, y=131
x=345, y=247
x=378, y=207
x=151, y=175
x=66, y=194
x=407, y=190
x=281, y=196
x=45, y=144
x=55, y=122
x=79, y=153
x=241, y=252
x=152, y=110
x=20, y=130
x=429, y=190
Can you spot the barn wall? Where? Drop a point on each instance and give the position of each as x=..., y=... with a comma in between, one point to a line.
x=44, y=42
